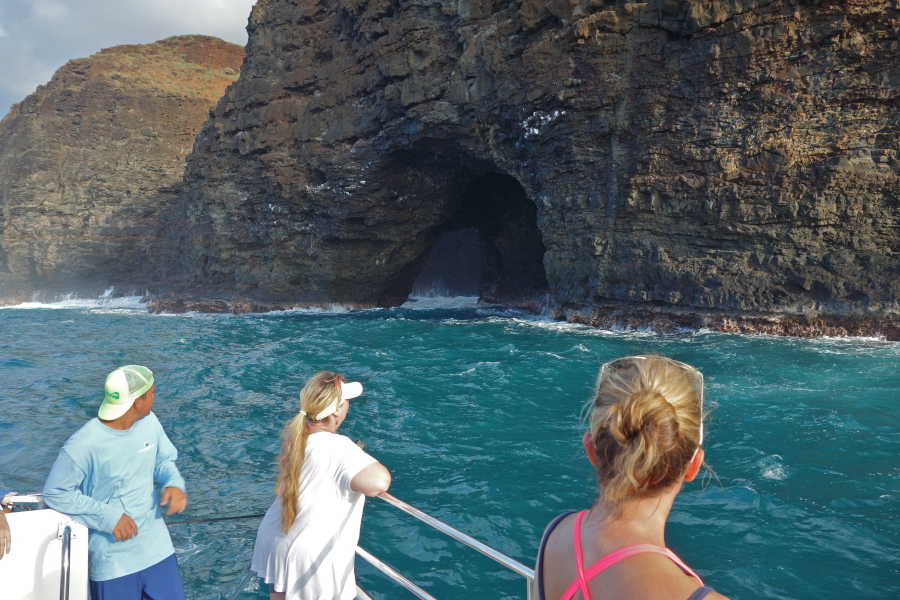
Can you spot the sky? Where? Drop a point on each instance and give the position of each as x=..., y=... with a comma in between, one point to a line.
x=39, y=36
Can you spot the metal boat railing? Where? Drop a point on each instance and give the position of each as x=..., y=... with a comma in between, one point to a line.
x=439, y=525
x=392, y=574
x=509, y=563
x=65, y=534
x=65, y=573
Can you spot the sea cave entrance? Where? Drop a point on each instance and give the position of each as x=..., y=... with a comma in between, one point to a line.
x=490, y=247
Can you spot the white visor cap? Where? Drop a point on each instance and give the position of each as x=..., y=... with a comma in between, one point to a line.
x=349, y=390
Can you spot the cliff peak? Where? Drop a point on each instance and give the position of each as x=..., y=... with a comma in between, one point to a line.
x=89, y=159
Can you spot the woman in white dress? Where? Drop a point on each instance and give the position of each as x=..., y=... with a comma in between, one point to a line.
x=306, y=543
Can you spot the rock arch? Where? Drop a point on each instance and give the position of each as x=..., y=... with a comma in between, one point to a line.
x=490, y=246
x=471, y=229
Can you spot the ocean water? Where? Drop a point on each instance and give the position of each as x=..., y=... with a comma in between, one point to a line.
x=475, y=410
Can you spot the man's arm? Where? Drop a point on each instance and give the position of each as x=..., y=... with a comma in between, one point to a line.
x=61, y=493
x=167, y=475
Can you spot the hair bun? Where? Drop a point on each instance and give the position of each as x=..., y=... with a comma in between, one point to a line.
x=642, y=428
x=638, y=415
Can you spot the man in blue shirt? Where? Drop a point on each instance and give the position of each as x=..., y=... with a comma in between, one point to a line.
x=104, y=478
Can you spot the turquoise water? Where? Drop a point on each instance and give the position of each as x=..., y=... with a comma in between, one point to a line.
x=475, y=411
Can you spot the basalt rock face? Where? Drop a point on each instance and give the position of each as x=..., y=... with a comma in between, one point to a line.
x=89, y=160
x=737, y=156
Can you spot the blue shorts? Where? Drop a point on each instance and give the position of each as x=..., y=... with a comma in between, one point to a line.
x=162, y=581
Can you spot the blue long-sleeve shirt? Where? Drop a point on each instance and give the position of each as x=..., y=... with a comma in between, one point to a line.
x=102, y=473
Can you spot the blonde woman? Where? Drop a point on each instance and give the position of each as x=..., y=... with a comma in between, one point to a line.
x=306, y=543
x=645, y=438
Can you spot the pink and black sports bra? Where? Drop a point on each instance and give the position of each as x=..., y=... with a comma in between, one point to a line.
x=610, y=559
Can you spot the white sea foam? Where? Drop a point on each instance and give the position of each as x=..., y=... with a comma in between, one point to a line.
x=777, y=473
x=772, y=468
x=329, y=309
x=72, y=301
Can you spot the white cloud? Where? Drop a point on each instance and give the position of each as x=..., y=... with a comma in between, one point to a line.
x=48, y=10
x=39, y=36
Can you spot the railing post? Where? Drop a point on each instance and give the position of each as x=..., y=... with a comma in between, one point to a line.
x=65, y=573
x=240, y=587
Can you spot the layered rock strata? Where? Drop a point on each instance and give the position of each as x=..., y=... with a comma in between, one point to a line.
x=671, y=163
x=681, y=156
x=89, y=160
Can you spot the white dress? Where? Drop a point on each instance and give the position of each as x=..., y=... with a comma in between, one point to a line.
x=314, y=561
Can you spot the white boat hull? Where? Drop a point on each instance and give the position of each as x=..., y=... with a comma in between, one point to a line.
x=34, y=566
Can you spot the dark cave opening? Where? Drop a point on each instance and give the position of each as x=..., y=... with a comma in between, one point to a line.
x=489, y=247
x=454, y=265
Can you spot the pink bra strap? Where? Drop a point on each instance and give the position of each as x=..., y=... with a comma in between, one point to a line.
x=579, y=561
x=612, y=558
x=616, y=556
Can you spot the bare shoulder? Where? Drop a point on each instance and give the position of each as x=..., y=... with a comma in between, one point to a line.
x=559, y=544
x=648, y=576
x=558, y=557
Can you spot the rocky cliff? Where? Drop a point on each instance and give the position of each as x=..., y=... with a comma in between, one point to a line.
x=729, y=164
x=88, y=161
x=678, y=157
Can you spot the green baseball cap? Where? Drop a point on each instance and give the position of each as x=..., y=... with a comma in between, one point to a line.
x=124, y=386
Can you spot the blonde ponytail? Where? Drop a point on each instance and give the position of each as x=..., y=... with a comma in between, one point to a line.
x=319, y=392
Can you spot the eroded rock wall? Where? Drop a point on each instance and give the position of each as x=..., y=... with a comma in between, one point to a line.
x=766, y=173
x=738, y=155
x=88, y=161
